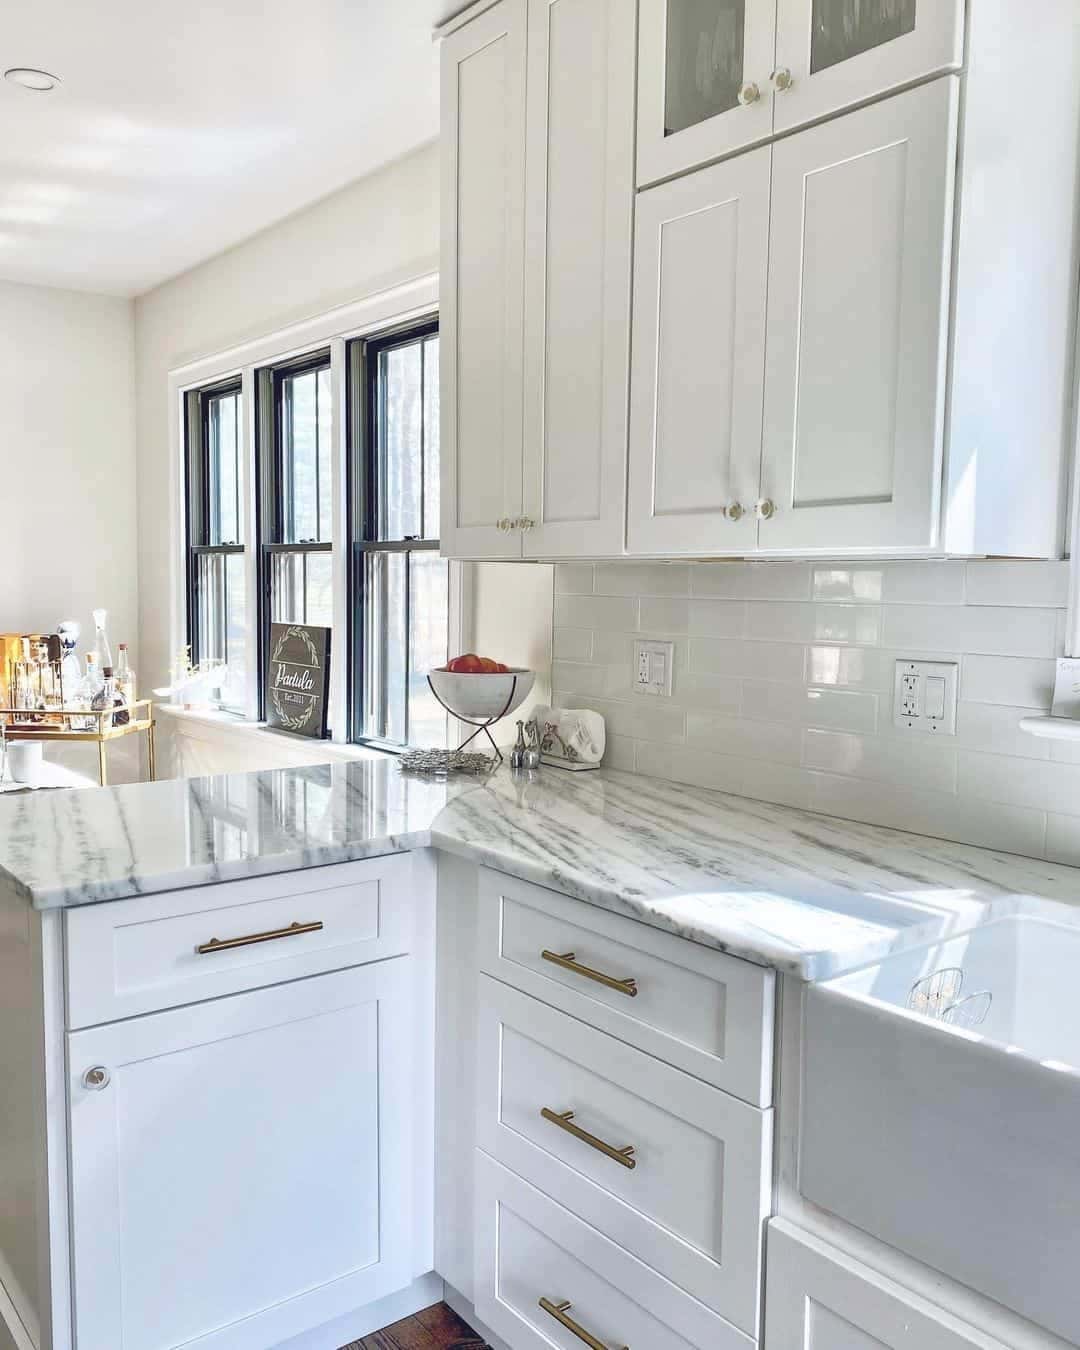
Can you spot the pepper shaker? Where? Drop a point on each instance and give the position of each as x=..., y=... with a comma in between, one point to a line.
x=531, y=757
x=517, y=755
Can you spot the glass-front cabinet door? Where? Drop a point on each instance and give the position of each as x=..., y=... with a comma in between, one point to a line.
x=831, y=54
x=704, y=86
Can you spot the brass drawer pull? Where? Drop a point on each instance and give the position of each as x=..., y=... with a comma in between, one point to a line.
x=559, y=1312
x=624, y=1156
x=567, y=962
x=293, y=930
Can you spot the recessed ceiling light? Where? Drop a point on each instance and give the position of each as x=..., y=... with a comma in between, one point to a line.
x=38, y=80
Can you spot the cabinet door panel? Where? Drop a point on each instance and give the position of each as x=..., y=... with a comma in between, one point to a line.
x=857, y=329
x=580, y=196
x=700, y=288
x=820, y=1298
x=839, y=53
x=241, y=1146
x=699, y=63
x=483, y=116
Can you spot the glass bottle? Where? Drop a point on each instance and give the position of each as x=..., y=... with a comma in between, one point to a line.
x=125, y=675
x=89, y=687
x=70, y=670
x=104, y=650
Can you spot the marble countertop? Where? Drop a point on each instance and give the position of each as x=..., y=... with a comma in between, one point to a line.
x=809, y=895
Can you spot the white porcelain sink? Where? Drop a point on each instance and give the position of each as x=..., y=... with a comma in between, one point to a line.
x=941, y=1108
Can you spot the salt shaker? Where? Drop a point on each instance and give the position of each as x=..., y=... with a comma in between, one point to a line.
x=517, y=755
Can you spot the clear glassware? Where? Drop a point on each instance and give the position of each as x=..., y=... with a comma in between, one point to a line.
x=104, y=650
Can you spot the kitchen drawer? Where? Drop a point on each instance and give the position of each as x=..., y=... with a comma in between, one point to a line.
x=134, y=956
x=529, y=1248
x=692, y=1198
x=696, y=1008
x=819, y=1298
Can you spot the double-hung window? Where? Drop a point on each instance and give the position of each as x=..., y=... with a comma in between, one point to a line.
x=215, y=533
x=295, y=421
x=399, y=583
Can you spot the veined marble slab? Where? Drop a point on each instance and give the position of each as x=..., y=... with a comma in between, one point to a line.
x=806, y=894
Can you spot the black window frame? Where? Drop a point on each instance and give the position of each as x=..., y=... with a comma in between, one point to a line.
x=270, y=497
x=362, y=405
x=198, y=504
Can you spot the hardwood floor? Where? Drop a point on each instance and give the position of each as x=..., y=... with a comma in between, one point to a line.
x=433, y=1328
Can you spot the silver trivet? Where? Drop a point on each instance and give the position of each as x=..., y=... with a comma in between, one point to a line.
x=444, y=762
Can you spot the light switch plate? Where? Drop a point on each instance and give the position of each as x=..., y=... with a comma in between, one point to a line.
x=924, y=696
x=653, y=663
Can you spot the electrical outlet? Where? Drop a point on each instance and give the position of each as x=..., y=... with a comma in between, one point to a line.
x=653, y=668
x=924, y=696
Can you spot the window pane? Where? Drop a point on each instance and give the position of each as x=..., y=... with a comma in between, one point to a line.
x=384, y=649
x=431, y=439
x=399, y=446
x=428, y=640
x=305, y=457
x=300, y=588
x=221, y=620
x=223, y=447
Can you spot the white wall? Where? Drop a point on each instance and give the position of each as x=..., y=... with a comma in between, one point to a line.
x=67, y=465
x=378, y=232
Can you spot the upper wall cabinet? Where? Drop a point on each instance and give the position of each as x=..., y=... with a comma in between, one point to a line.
x=538, y=118
x=717, y=75
x=483, y=224
x=579, y=166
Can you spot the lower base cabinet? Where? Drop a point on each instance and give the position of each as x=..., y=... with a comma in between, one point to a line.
x=819, y=1298
x=544, y=1277
x=245, y=1143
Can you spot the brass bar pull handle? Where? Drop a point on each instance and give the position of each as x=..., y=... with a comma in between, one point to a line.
x=564, y=1119
x=567, y=962
x=559, y=1311
x=224, y=945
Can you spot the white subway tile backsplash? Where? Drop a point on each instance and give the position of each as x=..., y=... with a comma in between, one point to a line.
x=783, y=687
x=1017, y=582
x=739, y=736
x=573, y=578
x=632, y=578
x=605, y=613
x=987, y=630
x=782, y=661
x=572, y=644
x=751, y=581
x=1008, y=679
x=831, y=708
x=918, y=761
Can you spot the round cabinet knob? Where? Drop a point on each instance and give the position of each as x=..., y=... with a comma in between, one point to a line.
x=735, y=511
x=782, y=79
x=504, y=524
x=748, y=94
x=766, y=509
x=525, y=523
x=96, y=1078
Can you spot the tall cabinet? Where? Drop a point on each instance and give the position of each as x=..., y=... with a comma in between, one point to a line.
x=534, y=414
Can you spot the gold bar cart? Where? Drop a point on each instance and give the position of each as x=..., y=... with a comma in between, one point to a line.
x=67, y=725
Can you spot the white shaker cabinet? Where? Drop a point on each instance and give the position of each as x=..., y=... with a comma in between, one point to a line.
x=579, y=214
x=700, y=286
x=483, y=218
x=857, y=336
x=227, y=1162
x=703, y=81
x=538, y=118
x=832, y=54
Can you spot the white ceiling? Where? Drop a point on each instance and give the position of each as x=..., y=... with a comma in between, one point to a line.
x=180, y=129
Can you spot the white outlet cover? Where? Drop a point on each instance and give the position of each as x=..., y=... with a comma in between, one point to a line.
x=910, y=686
x=653, y=668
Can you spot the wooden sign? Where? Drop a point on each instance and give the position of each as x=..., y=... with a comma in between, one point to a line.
x=297, y=675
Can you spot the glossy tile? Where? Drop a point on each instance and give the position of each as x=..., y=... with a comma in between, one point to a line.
x=924, y=583
x=850, y=667
x=776, y=741
x=793, y=622
x=856, y=584
x=1019, y=582
x=1007, y=679
x=831, y=708
x=605, y=613
x=782, y=661
x=985, y=630
x=633, y=578
x=917, y=761
x=751, y=581
x=572, y=644
x=1063, y=839
x=573, y=578
x=1018, y=782
x=995, y=728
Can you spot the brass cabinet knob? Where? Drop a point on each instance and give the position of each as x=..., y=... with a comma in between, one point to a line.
x=782, y=79
x=748, y=94
x=96, y=1078
x=735, y=511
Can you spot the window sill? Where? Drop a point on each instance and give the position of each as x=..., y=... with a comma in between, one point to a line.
x=210, y=724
